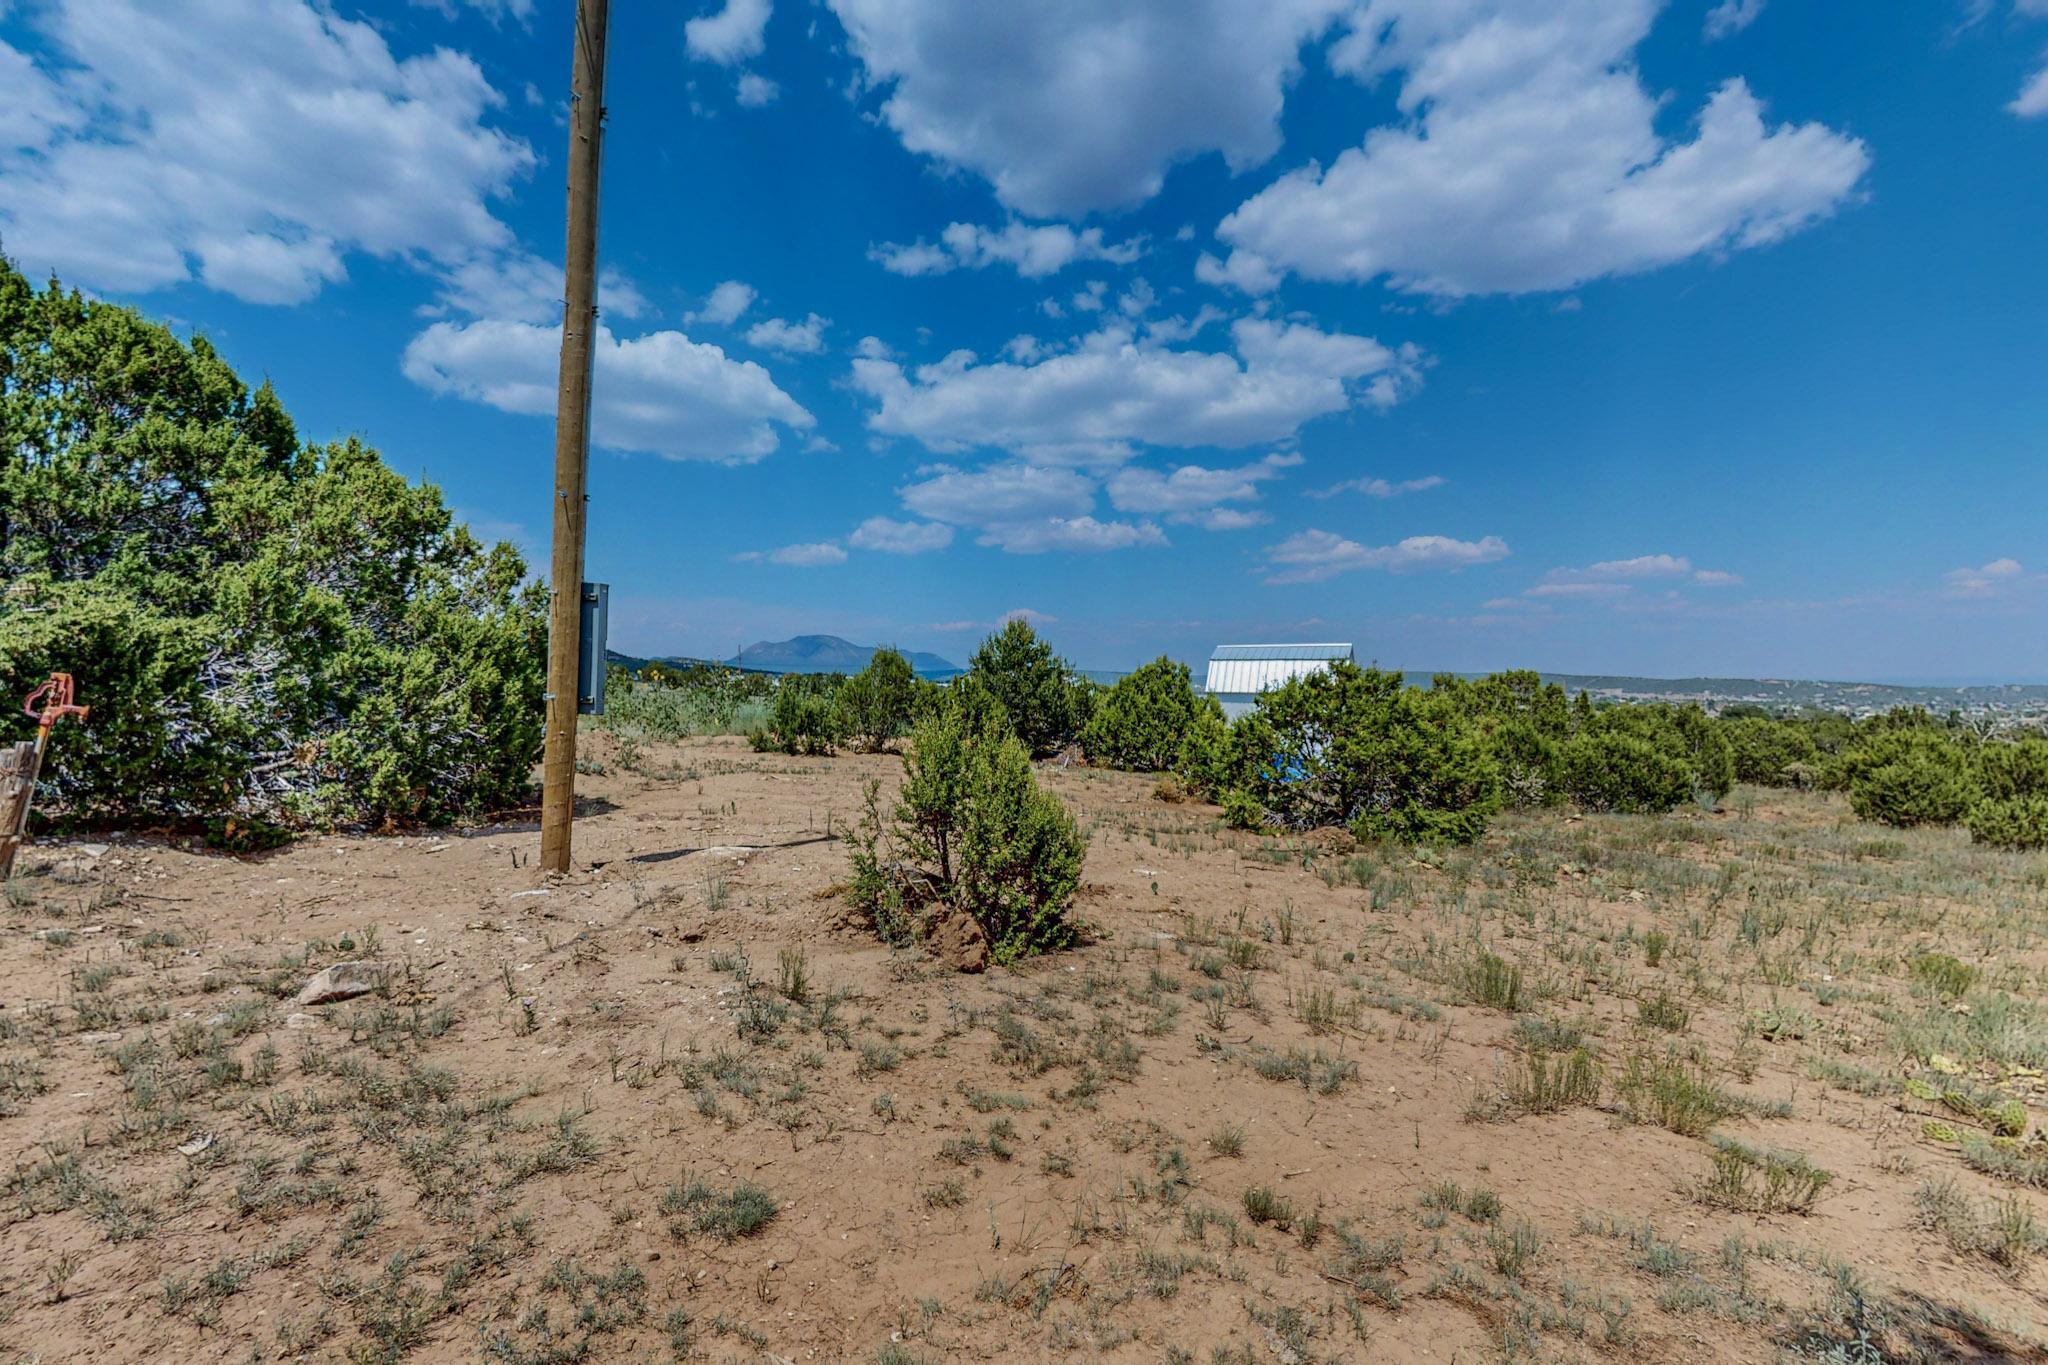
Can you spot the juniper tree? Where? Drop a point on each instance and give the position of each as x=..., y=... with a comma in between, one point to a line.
x=269, y=631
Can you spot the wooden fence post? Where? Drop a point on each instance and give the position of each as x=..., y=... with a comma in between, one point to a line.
x=18, y=764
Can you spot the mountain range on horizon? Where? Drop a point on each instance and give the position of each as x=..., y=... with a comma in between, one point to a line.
x=802, y=654
x=827, y=654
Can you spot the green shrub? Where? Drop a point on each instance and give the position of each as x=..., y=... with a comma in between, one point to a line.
x=804, y=718
x=1646, y=759
x=1355, y=747
x=1020, y=855
x=2018, y=823
x=1604, y=770
x=1699, y=738
x=1947, y=977
x=2013, y=770
x=1036, y=688
x=2013, y=778
x=267, y=631
x=1143, y=722
x=875, y=704
x=1241, y=810
x=1524, y=723
x=1910, y=776
x=972, y=829
x=667, y=703
x=1769, y=752
x=1531, y=761
x=1206, y=761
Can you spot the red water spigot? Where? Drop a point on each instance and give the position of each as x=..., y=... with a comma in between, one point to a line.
x=55, y=696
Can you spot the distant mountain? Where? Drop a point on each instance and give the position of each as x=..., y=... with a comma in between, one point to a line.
x=826, y=654
x=804, y=654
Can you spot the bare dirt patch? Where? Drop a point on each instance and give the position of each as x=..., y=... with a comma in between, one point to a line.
x=1684, y=1088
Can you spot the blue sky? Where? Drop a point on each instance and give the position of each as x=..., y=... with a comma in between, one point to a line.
x=1589, y=335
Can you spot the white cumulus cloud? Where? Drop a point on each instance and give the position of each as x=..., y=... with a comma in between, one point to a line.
x=1024, y=509
x=1379, y=488
x=2032, y=101
x=808, y=556
x=523, y=287
x=1197, y=495
x=790, y=338
x=724, y=304
x=1732, y=16
x=893, y=537
x=1069, y=106
x=731, y=35
x=1527, y=159
x=661, y=393
x=497, y=11
x=1313, y=556
x=1076, y=535
x=753, y=90
x=1032, y=250
x=1092, y=403
x=251, y=144
x=1001, y=493
x=1616, y=578
x=1986, y=579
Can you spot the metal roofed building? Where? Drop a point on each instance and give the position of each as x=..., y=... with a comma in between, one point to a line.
x=1238, y=673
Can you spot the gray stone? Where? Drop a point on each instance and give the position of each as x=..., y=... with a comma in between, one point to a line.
x=344, y=981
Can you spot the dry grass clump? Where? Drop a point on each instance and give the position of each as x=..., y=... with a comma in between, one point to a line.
x=1763, y=1180
x=2002, y=1230
x=1671, y=1094
x=731, y=1214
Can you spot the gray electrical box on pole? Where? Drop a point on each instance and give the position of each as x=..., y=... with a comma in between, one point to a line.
x=590, y=658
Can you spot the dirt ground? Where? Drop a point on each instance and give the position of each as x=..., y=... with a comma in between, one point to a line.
x=1290, y=1101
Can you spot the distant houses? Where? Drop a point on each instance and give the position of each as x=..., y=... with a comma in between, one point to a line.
x=1239, y=673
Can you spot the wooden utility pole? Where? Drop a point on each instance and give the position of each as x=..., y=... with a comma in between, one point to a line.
x=572, y=436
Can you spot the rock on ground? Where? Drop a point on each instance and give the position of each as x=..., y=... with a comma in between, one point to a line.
x=344, y=981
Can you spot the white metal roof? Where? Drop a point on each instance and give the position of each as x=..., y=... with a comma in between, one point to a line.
x=1247, y=670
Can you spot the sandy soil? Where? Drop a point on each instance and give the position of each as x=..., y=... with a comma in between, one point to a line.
x=526, y=1147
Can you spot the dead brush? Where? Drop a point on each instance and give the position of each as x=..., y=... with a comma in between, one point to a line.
x=1362, y=1263
x=2005, y=1230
